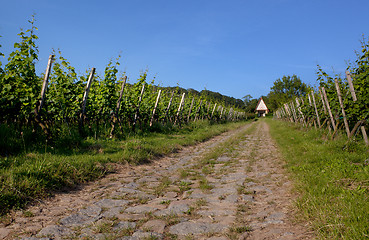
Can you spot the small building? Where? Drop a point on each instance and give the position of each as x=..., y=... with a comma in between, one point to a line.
x=261, y=108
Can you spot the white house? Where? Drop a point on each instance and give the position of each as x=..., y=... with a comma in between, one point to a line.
x=261, y=108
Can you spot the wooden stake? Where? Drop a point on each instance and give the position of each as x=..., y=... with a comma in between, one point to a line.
x=352, y=133
x=212, y=113
x=230, y=114
x=179, y=108
x=153, y=111
x=365, y=136
x=120, y=95
x=170, y=103
x=352, y=90
x=139, y=104
x=85, y=96
x=45, y=83
x=292, y=106
x=116, y=113
x=309, y=100
x=342, y=108
x=335, y=131
x=316, y=110
x=321, y=98
x=198, y=110
x=286, y=107
x=189, y=111
x=329, y=109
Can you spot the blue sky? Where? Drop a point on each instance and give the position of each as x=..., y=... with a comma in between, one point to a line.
x=235, y=47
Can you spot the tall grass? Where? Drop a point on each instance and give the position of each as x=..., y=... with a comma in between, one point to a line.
x=332, y=179
x=38, y=170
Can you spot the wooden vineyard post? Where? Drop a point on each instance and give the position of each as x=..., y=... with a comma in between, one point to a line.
x=322, y=98
x=138, y=106
x=292, y=106
x=198, y=110
x=84, y=100
x=189, y=111
x=120, y=95
x=342, y=108
x=288, y=112
x=324, y=108
x=116, y=113
x=153, y=111
x=212, y=113
x=230, y=114
x=170, y=103
x=353, y=94
x=179, y=108
x=300, y=112
x=42, y=99
x=351, y=86
x=207, y=111
x=44, y=84
x=316, y=109
x=365, y=136
x=328, y=108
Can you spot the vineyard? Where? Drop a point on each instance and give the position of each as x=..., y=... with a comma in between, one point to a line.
x=336, y=104
x=65, y=106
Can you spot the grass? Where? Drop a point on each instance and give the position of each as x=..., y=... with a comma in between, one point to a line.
x=164, y=183
x=331, y=177
x=34, y=174
x=205, y=186
x=184, y=186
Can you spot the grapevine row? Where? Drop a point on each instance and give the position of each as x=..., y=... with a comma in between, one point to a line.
x=62, y=103
x=338, y=103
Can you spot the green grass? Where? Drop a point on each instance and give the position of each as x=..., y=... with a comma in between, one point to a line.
x=34, y=174
x=332, y=180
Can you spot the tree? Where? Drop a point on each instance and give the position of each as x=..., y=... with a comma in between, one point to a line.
x=250, y=103
x=286, y=89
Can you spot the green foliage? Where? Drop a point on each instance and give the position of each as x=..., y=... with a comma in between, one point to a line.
x=250, y=103
x=61, y=113
x=360, y=74
x=20, y=86
x=286, y=89
x=354, y=111
x=64, y=94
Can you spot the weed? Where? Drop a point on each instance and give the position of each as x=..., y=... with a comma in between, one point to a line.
x=222, y=197
x=165, y=202
x=164, y=183
x=242, y=208
x=28, y=214
x=170, y=236
x=240, y=229
x=201, y=202
x=204, y=185
x=184, y=186
x=103, y=227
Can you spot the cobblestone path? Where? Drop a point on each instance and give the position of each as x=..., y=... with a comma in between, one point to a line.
x=231, y=187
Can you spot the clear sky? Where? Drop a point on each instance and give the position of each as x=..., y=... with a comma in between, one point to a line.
x=235, y=47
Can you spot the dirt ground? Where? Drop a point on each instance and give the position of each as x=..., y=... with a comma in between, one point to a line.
x=243, y=194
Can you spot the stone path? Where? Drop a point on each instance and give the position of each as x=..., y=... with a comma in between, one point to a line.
x=241, y=194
